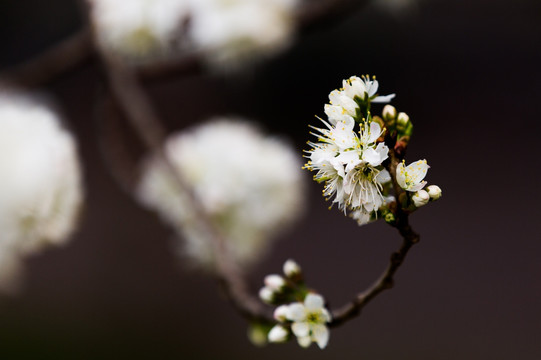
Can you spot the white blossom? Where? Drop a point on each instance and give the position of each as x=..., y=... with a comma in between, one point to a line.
x=350, y=165
x=420, y=198
x=235, y=31
x=40, y=181
x=411, y=177
x=138, y=29
x=309, y=321
x=248, y=184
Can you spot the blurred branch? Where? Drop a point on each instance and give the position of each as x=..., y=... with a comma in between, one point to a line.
x=386, y=280
x=133, y=101
x=54, y=62
x=74, y=50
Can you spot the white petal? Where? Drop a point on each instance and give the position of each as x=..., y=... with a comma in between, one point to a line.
x=280, y=313
x=383, y=177
x=304, y=341
x=278, y=334
x=417, y=187
x=313, y=302
x=326, y=315
x=296, y=312
x=417, y=170
x=401, y=175
x=372, y=87
x=371, y=156
x=375, y=132
x=320, y=334
x=383, y=99
x=300, y=329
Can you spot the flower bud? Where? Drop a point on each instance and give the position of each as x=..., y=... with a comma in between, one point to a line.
x=420, y=198
x=278, y=334
x=257, y=334
x=280, y=313
x=434, y=192
x=291, y=268
x=402, y=122
x=389, y=113
x=266, y=294
x=275, y=282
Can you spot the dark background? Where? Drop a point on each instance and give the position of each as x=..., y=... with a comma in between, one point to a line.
x=467, y=72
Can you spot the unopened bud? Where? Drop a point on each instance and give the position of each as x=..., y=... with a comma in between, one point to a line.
x=278, y=334
x=275, y=282
x=266, y=294
x=434, y=192
x=389, y=218
x=280, y=313
x=420, y=198
x=389, y=113
x=402, y=122
x=257, y=335
x=291, y=268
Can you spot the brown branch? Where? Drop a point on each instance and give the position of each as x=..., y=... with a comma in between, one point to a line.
x=135, y=104
x=54, y=62
x=72, y=51
x=386, y=280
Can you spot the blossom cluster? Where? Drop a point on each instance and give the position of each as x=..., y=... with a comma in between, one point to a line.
x=351, y=152
x=40, y=192
x=306, y=319
x=349, y=162
x=227, y=32
x=231, y=168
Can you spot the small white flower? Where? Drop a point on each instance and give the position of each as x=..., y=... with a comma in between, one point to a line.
x=274, y=282
x=434, y=191
x=411, y=177
x=291, y=268
x=309, y=321
x=420, y=198
x=278, y=334
x=350, y=165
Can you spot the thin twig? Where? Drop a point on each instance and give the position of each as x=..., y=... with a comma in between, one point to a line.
x=139, y=112
x=386, y=280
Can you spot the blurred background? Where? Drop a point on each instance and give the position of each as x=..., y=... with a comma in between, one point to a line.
x=467, y=73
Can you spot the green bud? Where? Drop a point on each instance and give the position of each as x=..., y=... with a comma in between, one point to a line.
x=402, y=122
x=390, y=218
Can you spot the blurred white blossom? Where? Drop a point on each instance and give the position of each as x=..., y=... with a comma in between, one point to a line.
x=40, y=181
x=248, y=184
x=233, y=32
x=139, y=29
